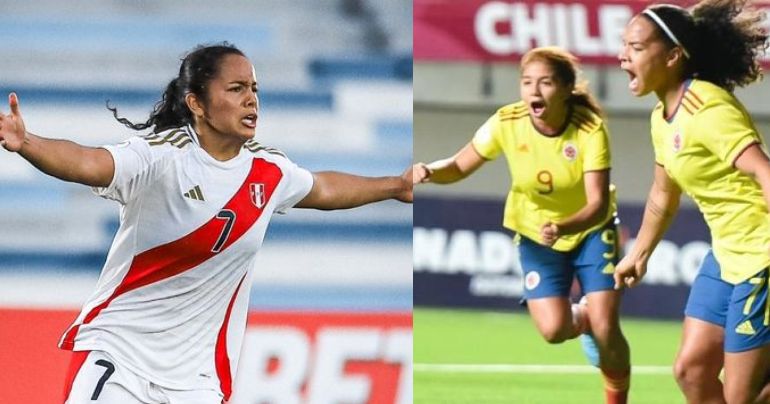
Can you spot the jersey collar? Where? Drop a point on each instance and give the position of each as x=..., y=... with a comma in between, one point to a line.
x=685, y=86
x=205, y=157
x=193, y=135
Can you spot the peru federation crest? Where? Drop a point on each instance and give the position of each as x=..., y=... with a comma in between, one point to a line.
x=257, y=192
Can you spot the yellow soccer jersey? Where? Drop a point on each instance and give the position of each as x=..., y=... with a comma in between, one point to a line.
x=546, y=171
x=698, y=147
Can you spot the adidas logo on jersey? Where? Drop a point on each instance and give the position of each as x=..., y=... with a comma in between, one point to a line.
x=745, y=328
x=195, y=194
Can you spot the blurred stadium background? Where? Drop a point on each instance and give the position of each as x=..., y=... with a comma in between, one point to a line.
x=331, y=302
x=466, y=55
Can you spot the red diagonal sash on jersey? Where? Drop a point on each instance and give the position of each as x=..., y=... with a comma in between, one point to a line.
x=221, y=359
x=173, y=258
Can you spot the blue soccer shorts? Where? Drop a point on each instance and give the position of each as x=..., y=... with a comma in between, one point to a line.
x=549, y=273
x=743, y=310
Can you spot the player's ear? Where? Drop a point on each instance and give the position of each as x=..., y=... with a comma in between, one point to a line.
x=194, y=104
x=674, y=56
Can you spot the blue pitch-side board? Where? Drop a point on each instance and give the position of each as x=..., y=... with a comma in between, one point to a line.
x=463, y=258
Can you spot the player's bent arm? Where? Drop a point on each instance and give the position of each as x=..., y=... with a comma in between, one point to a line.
x=754, y=162
x=597, y=188
x=659, y=212
x=335, y=190
x=69, y=161
x=452, y=169
x=662, y=205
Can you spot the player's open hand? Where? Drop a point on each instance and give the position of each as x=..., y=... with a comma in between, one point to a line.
x=549, y=233
x=629, y=272
x=407, y=186
x=420, y=173
x=12, y=131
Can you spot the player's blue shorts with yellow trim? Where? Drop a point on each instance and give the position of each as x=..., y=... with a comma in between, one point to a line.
x=743, y=310
x=549, y=273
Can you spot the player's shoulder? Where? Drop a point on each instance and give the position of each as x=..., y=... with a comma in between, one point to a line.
x=172, y=140
x=512, y=112
x=586, y=120
x=263, y=151
x=701, y=95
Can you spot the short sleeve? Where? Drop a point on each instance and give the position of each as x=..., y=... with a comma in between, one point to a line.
x=486, y=141
x=597, y=150
x=655, y=136
x=132, y=160
x=656, y=148
x=298, y=183
x=725, y=130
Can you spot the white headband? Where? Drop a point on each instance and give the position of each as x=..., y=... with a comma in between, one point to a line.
x=665, y=29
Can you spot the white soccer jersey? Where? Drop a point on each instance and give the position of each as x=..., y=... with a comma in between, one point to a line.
x=172, y=298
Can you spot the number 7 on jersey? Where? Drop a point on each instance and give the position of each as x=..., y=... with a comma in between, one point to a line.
x=229, y=217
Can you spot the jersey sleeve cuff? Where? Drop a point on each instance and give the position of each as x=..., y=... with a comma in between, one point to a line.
x=485, y=153
x=596, y=168
x=306, y=178
x=739, y=149
x=109, y=191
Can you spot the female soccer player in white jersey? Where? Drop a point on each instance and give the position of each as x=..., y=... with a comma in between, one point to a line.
x=707, y=146
x=166, y=321
x=561, y=205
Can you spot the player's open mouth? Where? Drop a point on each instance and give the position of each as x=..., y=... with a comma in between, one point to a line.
x=250, y=120
x=633, y=81
x=537, y=108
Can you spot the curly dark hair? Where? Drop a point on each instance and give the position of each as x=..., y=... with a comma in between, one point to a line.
x=724, y=38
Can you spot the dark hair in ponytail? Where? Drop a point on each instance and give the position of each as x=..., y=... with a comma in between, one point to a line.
x=724, y=38
x=198, y=68
x=567, y=70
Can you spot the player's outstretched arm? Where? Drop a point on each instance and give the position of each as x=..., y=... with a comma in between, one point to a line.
x=662, y=205
x=62, y=159
x=449, y=170
x=335, y=190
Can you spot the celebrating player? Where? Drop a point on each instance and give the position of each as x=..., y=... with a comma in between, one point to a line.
x=166, y=321
x=707, y=145
x=561, y=205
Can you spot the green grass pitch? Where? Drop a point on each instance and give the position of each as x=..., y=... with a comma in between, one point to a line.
x=464, y=338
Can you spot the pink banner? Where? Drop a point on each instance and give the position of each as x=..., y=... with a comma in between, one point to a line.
x=495, y=30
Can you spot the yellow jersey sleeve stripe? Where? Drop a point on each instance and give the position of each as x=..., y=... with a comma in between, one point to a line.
x=513, y=109
x=586, y=117
x=691, y=102
x=698, y=102
x=589, y=119
x=518, y=107
x=690, y=109
x=579, y=119
x=582, y=126
x=584, y=123
x=512, y=117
